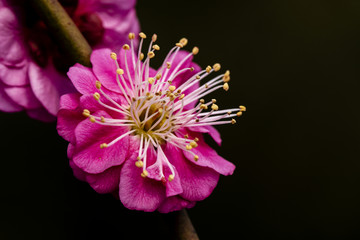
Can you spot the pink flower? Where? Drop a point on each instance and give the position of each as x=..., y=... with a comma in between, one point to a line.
x=33, y=69
x=137, y=132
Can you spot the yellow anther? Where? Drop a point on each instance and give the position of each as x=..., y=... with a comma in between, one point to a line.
x=119, y=71
x=144, y=174
x=202, y=100
x=216, y=67
x=138, y=158
x=206, y=86
x=98, y=84
x=197, y=77
x=186, y=136
x=172, y=88
x=141, y=56
x=193, y=144
x=208, y=69
x=183, y=41
x=213, y=100
x=229, y=112
x=214, y=107
x=196, y=157
x=92, y=119
x=168, y=65
x=239, y=114
x=182, y=96
x=156, y=47
x=179, y=45
x=103, y=145
x=102, y=119
x=113, y=55
x=139, y=164
x=151, y=54
x=158, y=76
x=192, y=69
x=195, y=50
x=233, y=121
x=160, y=110
x=151, y=80
x=154, y=38
x=131, y=36
x=171, y=96
x=171, y=177
x=142, y=35
x=226, y=78
x=126, y=47
x=226, y=86
x=97, y=96
x=242, y=108
x=188, y=147
x=86, y=113
x=203, y=106
x=196, y=139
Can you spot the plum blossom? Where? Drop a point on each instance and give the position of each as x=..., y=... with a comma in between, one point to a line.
x=32, y=67
x=137, y=132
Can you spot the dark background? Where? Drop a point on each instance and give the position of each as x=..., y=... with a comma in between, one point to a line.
x=294, y=64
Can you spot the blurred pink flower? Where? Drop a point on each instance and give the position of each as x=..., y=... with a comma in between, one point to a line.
x=32, y=69
x=137, y=131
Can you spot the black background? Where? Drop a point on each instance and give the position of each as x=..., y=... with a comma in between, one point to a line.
x=294, y=64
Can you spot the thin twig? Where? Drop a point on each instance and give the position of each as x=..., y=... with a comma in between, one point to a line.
x=64, y=30
x=184, y=230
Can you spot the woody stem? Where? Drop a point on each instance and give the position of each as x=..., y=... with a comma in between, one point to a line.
x=64, y=30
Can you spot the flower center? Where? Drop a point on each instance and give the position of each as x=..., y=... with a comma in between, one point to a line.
x=152, y=121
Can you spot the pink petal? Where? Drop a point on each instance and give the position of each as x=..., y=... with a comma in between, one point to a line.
x=172, y=187
x=12, y=49
x=104, y=68
x=197, y=182
x=69, y=116
x=88, y=102
x=14, y=76
x=70, y=150
x=48, y=85
x=210, y=130
x=136, y=192
x=83, y=79
x=105, y=182
x=88, y=154
x=208, y=157
x=23, y=96
x=78, y=173
x=117, y=29
x=175, y=203
x=6, y=103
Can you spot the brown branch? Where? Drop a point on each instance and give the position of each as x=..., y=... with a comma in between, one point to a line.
x=64, y=30
x=77, y=48
x=180, y=225
x=183, y=226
